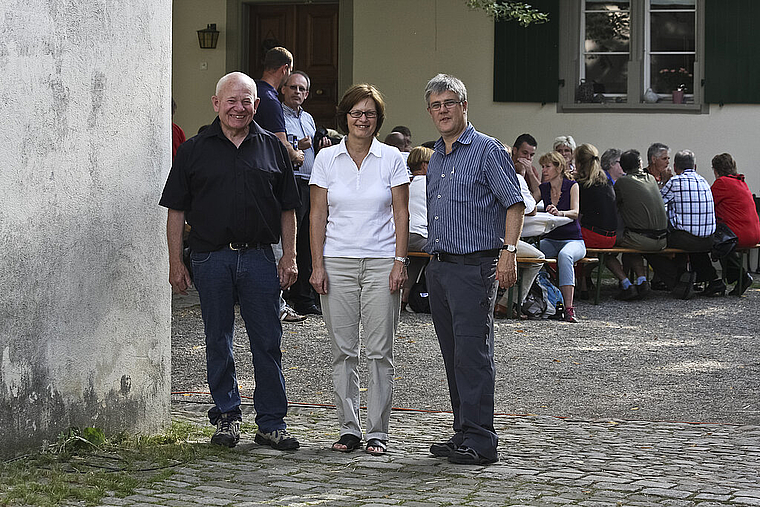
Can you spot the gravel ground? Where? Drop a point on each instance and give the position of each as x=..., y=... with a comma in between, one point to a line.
x=656, y=360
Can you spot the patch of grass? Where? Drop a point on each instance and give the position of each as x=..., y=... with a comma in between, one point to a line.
x=85, y=465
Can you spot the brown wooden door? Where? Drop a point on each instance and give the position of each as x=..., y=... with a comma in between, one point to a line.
x=310, y=32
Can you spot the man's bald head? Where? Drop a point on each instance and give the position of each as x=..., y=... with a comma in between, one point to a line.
x=235, y=77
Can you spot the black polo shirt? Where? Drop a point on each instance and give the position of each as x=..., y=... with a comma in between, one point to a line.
x=231, y=194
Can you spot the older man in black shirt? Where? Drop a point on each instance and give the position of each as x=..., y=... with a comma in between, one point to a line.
x=234, y=185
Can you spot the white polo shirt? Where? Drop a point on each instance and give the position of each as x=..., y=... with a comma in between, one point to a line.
x=360, y=215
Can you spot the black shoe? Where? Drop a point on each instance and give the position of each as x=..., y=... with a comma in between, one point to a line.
x=715, y=288
x=628, y=294
x=738, y=291
x=443, y=449
x=227, y=432
x=643, y=289
x=684, y=288
x=311, y=309
x=469, y=456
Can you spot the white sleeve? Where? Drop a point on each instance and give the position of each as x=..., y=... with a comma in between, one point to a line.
x=530, y=202
x=399, y=173
x=319, y=169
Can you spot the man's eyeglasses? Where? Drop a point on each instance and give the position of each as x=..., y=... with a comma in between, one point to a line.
x=446, y=104
x=298, y=88
x=358, y=114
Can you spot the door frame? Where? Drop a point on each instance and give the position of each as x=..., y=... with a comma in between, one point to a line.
x=238, y=37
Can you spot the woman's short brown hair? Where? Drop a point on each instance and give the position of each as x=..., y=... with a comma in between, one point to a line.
x=555, y=158
x=724, y=164
x=353, y=96
x=417, y=156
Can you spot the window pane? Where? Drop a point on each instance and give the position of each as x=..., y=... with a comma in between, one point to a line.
x=657, y=5
x=608, y=31
x=669, y=72
x=611, y=71
x=673, y=31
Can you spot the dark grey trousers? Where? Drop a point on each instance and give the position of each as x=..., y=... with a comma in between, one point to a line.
x=669, y=270
x=462, y=298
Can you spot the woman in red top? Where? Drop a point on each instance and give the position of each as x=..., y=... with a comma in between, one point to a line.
x=734, y=206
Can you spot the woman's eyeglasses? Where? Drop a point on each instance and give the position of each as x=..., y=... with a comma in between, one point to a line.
x=358, y=114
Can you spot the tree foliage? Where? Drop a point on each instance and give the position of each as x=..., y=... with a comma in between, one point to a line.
x=521, y=12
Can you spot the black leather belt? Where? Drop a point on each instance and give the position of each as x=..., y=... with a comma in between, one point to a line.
x=601, y=232
x=246, y=246
x=470, y=259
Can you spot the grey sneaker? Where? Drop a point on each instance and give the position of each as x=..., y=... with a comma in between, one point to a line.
x=288, y=314
x=277, y=439
x=227, y=432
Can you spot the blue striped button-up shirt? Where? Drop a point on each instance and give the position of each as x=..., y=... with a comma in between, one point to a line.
x=468, y=193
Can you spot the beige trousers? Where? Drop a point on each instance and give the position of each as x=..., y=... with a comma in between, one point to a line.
x=358, y=292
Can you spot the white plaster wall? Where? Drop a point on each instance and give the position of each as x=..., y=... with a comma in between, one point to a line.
x=192, y=86
x=399, y=45
x=85, y=150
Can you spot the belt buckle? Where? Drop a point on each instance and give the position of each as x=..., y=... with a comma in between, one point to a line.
x=238, y=246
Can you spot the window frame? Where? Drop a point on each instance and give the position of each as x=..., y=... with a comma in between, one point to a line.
x=571, y=59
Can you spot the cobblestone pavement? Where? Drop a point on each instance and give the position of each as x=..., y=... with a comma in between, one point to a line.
x=543, y=461
x=683, y=362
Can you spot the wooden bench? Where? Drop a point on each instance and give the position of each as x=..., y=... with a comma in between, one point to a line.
x=521, y=263
x=602, y=253
x=744, y=259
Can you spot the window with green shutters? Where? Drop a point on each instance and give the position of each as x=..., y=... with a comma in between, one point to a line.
x=620, y=49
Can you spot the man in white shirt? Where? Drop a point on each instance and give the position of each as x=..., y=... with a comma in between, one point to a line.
x=523, y=150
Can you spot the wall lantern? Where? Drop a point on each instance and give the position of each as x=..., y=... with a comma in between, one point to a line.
x=208, y=37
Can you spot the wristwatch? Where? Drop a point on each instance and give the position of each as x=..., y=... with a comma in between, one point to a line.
x=403, y=260
x=509, y=248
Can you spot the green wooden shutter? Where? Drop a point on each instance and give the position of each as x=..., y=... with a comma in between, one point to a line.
x=526, y=59
x=732, y=64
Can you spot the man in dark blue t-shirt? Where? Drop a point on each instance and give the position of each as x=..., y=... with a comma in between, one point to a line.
x=278, y=64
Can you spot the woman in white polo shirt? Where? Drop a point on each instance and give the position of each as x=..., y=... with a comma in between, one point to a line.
x=359, y=233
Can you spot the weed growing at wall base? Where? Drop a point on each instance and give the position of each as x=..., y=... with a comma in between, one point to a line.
x=85, y=465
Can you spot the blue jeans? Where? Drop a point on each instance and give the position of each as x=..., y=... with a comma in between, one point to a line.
x=567, y=252
x=250, y=276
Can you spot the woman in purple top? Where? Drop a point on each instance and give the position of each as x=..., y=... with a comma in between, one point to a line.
x=561, y=198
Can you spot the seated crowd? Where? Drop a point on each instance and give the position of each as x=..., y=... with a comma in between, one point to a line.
x=613, y=200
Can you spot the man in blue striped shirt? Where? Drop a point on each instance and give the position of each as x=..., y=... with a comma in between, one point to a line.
x=300, y=129
x=475, y=216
